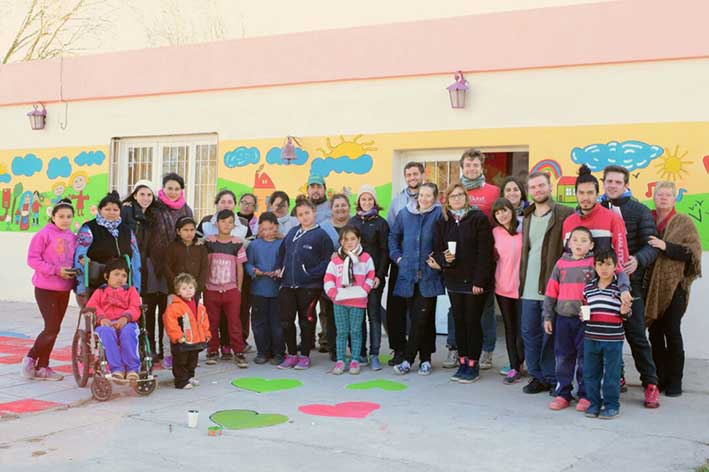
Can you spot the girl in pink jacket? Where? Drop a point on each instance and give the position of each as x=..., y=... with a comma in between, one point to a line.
x=51, y=255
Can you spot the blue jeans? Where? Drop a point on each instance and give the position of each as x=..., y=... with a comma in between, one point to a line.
x=266, y=325
x=601, y=360
x=568, y=349
x=374, y=315
x=121, y=347
x=450, y=339
x=488, y=322
x=538, y=346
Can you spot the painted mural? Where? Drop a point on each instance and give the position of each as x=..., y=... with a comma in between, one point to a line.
x=32, y=181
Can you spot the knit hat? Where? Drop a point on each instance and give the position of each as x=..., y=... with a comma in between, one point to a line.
x=316, y=179
x=143, y=183
x=366, y=188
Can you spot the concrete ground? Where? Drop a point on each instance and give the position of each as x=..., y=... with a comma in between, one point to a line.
x=433, y=425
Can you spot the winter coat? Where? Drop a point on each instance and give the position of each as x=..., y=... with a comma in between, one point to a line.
x=474, y=263
x=410, y=244
x=181, y=321
x=49, y=251
x=375, y=241
x=162, y=232
x=114, y=303
x=304, y=260
x=192, y=260
x=354, y=295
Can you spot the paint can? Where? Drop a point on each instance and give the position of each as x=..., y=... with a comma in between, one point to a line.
x=215, y=430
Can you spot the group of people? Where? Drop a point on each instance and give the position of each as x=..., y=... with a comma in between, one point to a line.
x=571, y=285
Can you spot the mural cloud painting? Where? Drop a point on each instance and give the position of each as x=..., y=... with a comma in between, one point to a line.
x=26, y=165
x=58, y=167
x=629, y=154
x=90, y=158
x=274, y=157
x=5, y=178
x=359, y=165
x=242, y=156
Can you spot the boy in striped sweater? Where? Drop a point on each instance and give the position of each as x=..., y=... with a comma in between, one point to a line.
x=603, y=342
x=562, y=304
x=348, y=280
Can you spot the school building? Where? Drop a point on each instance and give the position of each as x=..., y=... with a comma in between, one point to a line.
x=545, y=88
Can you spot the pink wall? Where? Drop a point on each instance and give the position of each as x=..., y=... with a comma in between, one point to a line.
x=615, y=32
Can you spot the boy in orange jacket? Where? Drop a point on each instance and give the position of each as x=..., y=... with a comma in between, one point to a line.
x=187, y=325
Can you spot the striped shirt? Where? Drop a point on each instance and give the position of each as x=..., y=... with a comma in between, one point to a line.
x=606, y=323
x=356, y=294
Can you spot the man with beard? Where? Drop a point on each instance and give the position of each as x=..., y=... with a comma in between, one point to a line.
x=317, y=194
x=396, y=306
x=640, y=227
x=542, y=245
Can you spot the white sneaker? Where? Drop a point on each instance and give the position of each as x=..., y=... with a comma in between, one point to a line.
x=486, y=360
x=28, y=369
x=452, y=360
x=193, y=381
x=189, y=386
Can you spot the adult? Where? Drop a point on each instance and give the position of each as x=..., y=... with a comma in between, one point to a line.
x=104, y=238
x=481, y=195
x=418, y=281
x=463, y=248
x=513, y=190
x=134, y=213
x=247, y=212
x=542, y=245
x=640, y=227
x=226, y=200
x=340, y=216
x=375, y=242
x=671, y=277
x=396, y=306
x=317, y=194
x=278, y=203
x=169, y=207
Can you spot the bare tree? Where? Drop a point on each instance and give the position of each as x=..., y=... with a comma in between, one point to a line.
x=53, y=28
x=178, y=23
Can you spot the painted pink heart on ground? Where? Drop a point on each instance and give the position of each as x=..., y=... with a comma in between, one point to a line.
x=706, y=163
x=341, y=410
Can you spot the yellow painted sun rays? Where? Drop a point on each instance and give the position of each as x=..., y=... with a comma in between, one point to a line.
x=347, y=148
x=671, y=166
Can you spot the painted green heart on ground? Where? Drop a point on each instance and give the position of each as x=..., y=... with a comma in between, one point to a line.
x=246, y=419
x=384, y=358
x=261, y=385
x=383, y=384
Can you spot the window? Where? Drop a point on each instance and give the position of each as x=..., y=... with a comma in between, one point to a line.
x=194, y=157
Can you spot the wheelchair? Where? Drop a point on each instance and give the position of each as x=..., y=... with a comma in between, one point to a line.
x=88, y=358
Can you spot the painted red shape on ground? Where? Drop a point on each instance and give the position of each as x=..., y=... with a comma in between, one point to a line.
x=706, y=163
x=26, y=405
x=10, y=341
x=341, y=410
x=14, y=359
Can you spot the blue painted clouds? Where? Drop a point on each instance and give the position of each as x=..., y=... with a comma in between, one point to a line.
x=58, y=167
x=90, y=158
x=5, y=178
x=629, y=154
x=274, y=157
x=359, y=165
x=241, y=156
x=26, y=165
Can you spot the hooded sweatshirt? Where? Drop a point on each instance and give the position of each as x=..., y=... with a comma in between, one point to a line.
x=49, y=251
x=114, y=303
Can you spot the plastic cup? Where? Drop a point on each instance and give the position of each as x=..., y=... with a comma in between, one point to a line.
x=585, y=312
x=451, y=247
x=192, y=418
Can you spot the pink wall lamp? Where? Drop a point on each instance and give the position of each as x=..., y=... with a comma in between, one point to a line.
x=38, y=117
x=458, y=91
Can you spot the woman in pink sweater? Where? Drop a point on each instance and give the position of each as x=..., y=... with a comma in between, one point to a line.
x=51, y=255
x=348, y=280
x=508, y=252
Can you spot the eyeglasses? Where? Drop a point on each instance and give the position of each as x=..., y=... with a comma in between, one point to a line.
x=456, y=195
x=246, y=204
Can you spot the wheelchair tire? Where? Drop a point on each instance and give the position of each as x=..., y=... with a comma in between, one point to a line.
x=101, y=388
x=80, y=358
x=145, y=388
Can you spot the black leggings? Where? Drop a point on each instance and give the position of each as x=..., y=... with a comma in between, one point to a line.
x=301, y=302
x=467, y=313
x=52, y=304
x=422, y=339
x=396, y=314
x=667, y=343
x=155, y=301
x=511, y=309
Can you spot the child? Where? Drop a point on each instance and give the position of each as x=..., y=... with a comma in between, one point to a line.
x=303, y=259
x=563, y=297
x=187, y=325
x=603, y=342
x=223, y=287
x=184, y=256
x=348, y=280
x=265, y=314
x=51, y=255
x=117, y=309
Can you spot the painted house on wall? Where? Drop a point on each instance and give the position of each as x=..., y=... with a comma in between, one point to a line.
x=566, y=189
x=544, y=98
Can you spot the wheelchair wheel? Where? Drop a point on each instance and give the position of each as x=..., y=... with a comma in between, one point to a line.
x=146, y=387
x=80, y=358
x=101, y=388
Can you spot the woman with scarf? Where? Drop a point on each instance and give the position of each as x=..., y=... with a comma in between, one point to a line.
x=463, y=248
x=671, y=277
x=104, y=238
x=375, y=235
x=279, y=203
x=169, y=207
x=513, y=191
x=419, y=280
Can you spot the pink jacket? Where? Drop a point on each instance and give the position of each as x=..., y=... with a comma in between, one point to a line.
x=508, y=252
x=114, y=303
x=49, y=251
x=356, y=294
